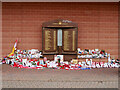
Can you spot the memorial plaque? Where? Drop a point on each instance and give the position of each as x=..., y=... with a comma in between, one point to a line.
x=50, y=42
x=59, y=38
x=69, y=40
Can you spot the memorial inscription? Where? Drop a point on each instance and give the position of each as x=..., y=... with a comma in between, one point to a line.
x=69, y=43
x=50, y=40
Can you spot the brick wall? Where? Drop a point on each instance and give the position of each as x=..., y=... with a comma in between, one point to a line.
x=97, y=24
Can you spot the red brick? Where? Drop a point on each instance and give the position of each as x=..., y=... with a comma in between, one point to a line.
x=97, y=24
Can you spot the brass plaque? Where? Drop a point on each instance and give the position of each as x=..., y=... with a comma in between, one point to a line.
x=73, y=40
x=59, y=41
x=69, y=40
x=50, y=40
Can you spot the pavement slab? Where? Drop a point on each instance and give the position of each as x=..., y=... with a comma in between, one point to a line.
x=54, y=78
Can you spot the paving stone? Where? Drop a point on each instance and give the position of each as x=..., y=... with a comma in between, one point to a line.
x=53, y=78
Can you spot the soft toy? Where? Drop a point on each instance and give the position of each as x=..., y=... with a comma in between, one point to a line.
x=12, y=61
x=24, y=61
x=116, y=65
x=89, y=62
x=97, y=65
x=83, y=64
x=105, y=65
x=7, y=61
x=41, y=62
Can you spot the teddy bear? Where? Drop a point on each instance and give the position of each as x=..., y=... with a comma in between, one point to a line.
x=24, y=61
x=97, y=65
x=93, y=65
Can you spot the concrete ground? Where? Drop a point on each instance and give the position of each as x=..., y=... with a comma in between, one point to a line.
x=54, y=78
